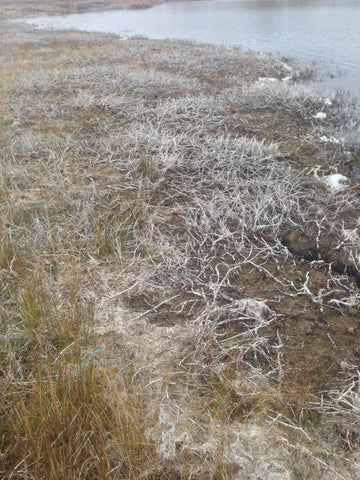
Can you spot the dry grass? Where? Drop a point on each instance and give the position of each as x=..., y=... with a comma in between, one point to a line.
x=58, y=7
x=179, y=294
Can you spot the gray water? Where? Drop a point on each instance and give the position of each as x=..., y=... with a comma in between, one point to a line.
x=322, y=33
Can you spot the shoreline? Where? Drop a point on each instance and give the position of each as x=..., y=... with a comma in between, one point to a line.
x=331, y=74
x=38, y=7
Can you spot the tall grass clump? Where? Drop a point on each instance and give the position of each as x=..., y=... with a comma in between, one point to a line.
x=65, y=412
x=83, y=426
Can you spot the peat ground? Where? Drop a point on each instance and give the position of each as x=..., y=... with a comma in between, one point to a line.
x=174, y=263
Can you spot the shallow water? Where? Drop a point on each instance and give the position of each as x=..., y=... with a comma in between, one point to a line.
x=325, y=33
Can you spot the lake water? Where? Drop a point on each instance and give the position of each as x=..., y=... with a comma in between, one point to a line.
x=324, y=33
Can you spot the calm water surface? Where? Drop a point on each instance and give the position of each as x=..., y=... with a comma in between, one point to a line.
x=325, y=33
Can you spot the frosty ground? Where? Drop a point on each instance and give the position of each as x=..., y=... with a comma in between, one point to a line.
x=179, y=263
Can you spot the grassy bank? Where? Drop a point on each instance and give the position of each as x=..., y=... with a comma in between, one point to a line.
x=9, y=8
x=178, y=280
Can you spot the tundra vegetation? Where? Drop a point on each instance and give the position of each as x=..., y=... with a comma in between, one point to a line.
x=10, y=8
x=179, y=281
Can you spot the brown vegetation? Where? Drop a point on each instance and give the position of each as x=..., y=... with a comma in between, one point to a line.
x=178, y=283
x=9, y=8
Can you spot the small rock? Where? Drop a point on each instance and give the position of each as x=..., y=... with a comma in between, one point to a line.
x=336, y=181
x=326, y=139
x=267, y=80
x=320, y=116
